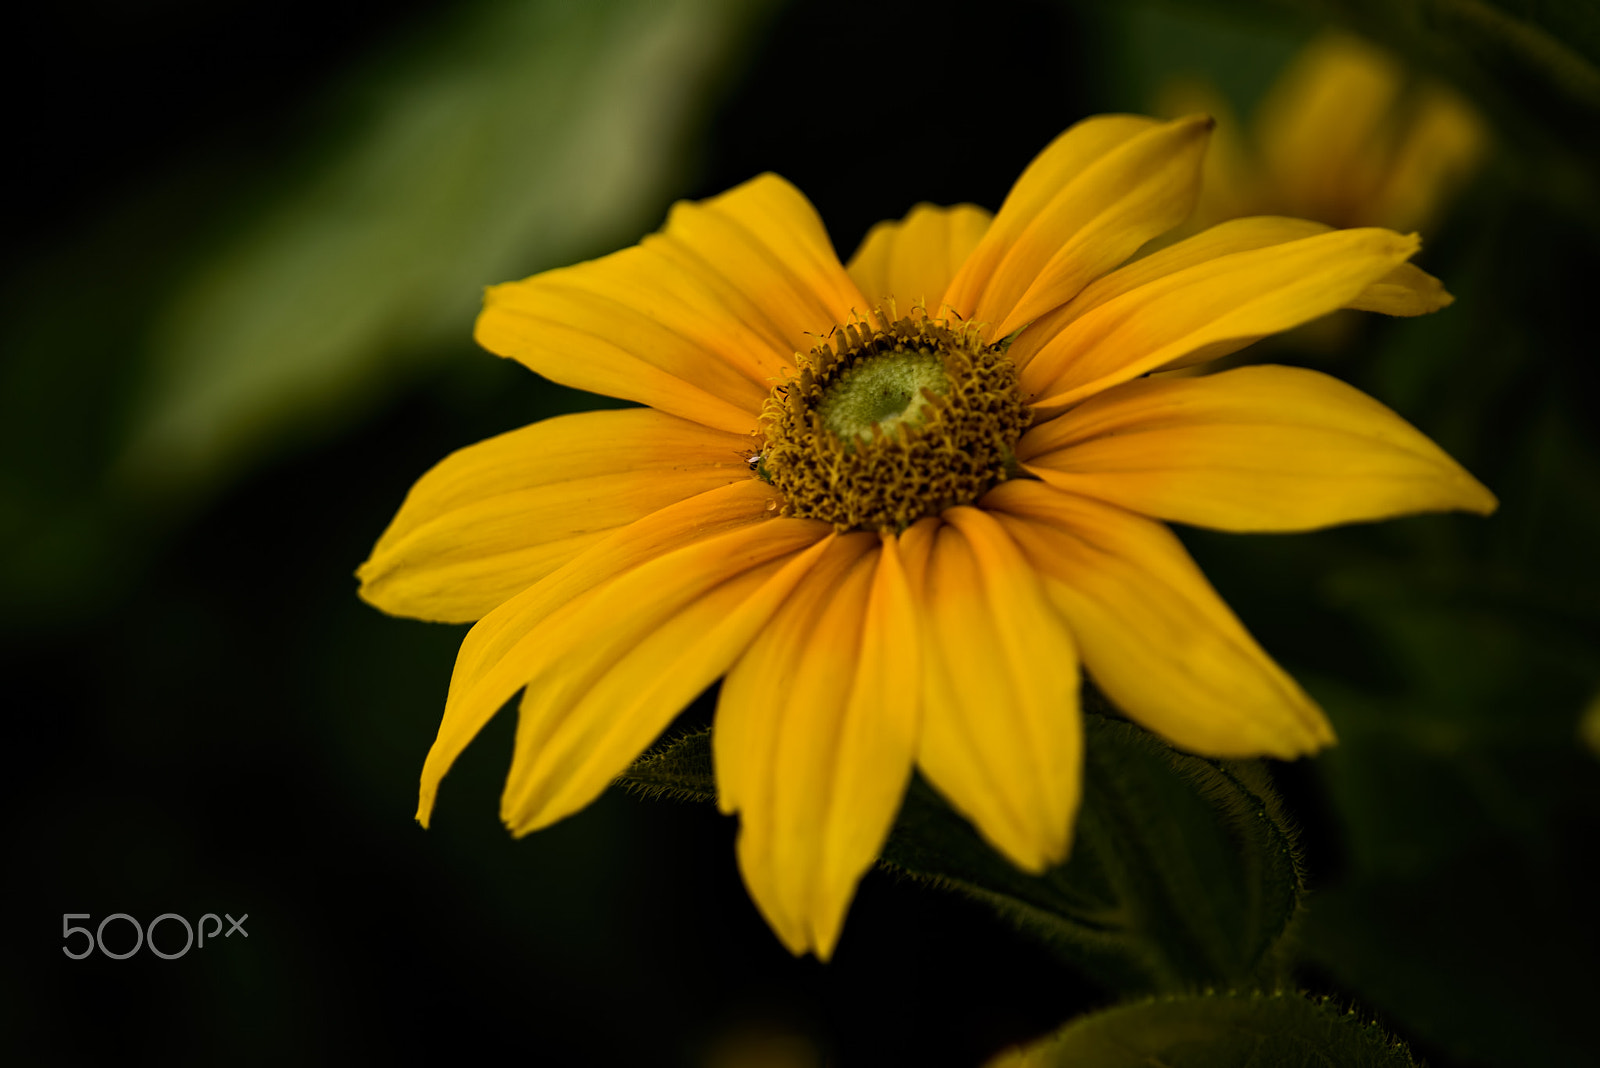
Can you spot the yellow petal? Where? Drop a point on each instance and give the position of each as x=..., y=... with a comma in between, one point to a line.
x=815, y=735
x=763, y=240
x=606, y=675
x=1001, y=734
x=1252, y=449
x=492, y=519
x=1215, y=306
x=756, y=696
x=481, y=683
x=1405, y=290
x=1093, y=196
x=1154, y=635
x=914, y=259
x=699, y=320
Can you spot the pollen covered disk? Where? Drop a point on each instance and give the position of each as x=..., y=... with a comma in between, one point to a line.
x=894, y=420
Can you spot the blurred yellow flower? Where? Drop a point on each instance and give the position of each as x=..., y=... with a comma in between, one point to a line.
x=1589, y=725
x=1033, y=1055
x=1344, y=137
x=894, y=504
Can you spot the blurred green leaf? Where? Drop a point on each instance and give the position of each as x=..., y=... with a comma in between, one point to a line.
x=519, y=136
x=1488, y=956
x=1218, y=1031
x=1559, y=42
x=1183, y=873
x=1466, y=805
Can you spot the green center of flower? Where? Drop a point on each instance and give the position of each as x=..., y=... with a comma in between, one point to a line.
x=891, y=422
x=882, y=391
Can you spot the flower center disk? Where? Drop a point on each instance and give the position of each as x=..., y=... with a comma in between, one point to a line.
x=891, y=422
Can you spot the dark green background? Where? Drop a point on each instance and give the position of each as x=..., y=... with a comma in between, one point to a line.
x=203, y=718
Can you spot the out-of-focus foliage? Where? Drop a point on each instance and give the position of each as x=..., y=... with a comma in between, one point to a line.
x=492, y=140
x=1216, y=1031
x=1523, y=43
x=513, y=138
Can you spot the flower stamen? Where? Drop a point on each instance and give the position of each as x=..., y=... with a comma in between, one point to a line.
x=895, y=420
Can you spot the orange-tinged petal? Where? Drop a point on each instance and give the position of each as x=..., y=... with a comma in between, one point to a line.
x=699, y=320
x=606, y=675
x=913, y=260
x=1073, y=151
x=815, y=736
x=1153, y=633
x=1201, y=311
x=756, y=695
x=480, y=685
x=1092, y=197
x=765, y=242
x=585, y=327
x=775, y=738
x=1405, y=290
x=916, y=549
x=492, y=519
x=1001, y=734
x=1251, y=449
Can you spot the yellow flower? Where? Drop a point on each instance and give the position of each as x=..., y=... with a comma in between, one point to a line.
x=1343, y=137
x=1589, y=725
x=894, y=539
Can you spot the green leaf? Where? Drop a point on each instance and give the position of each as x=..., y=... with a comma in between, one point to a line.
x=1183, y=875
x=1232, y=1030
x=1184, y=872
x=679, y=769
x=514, y=137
